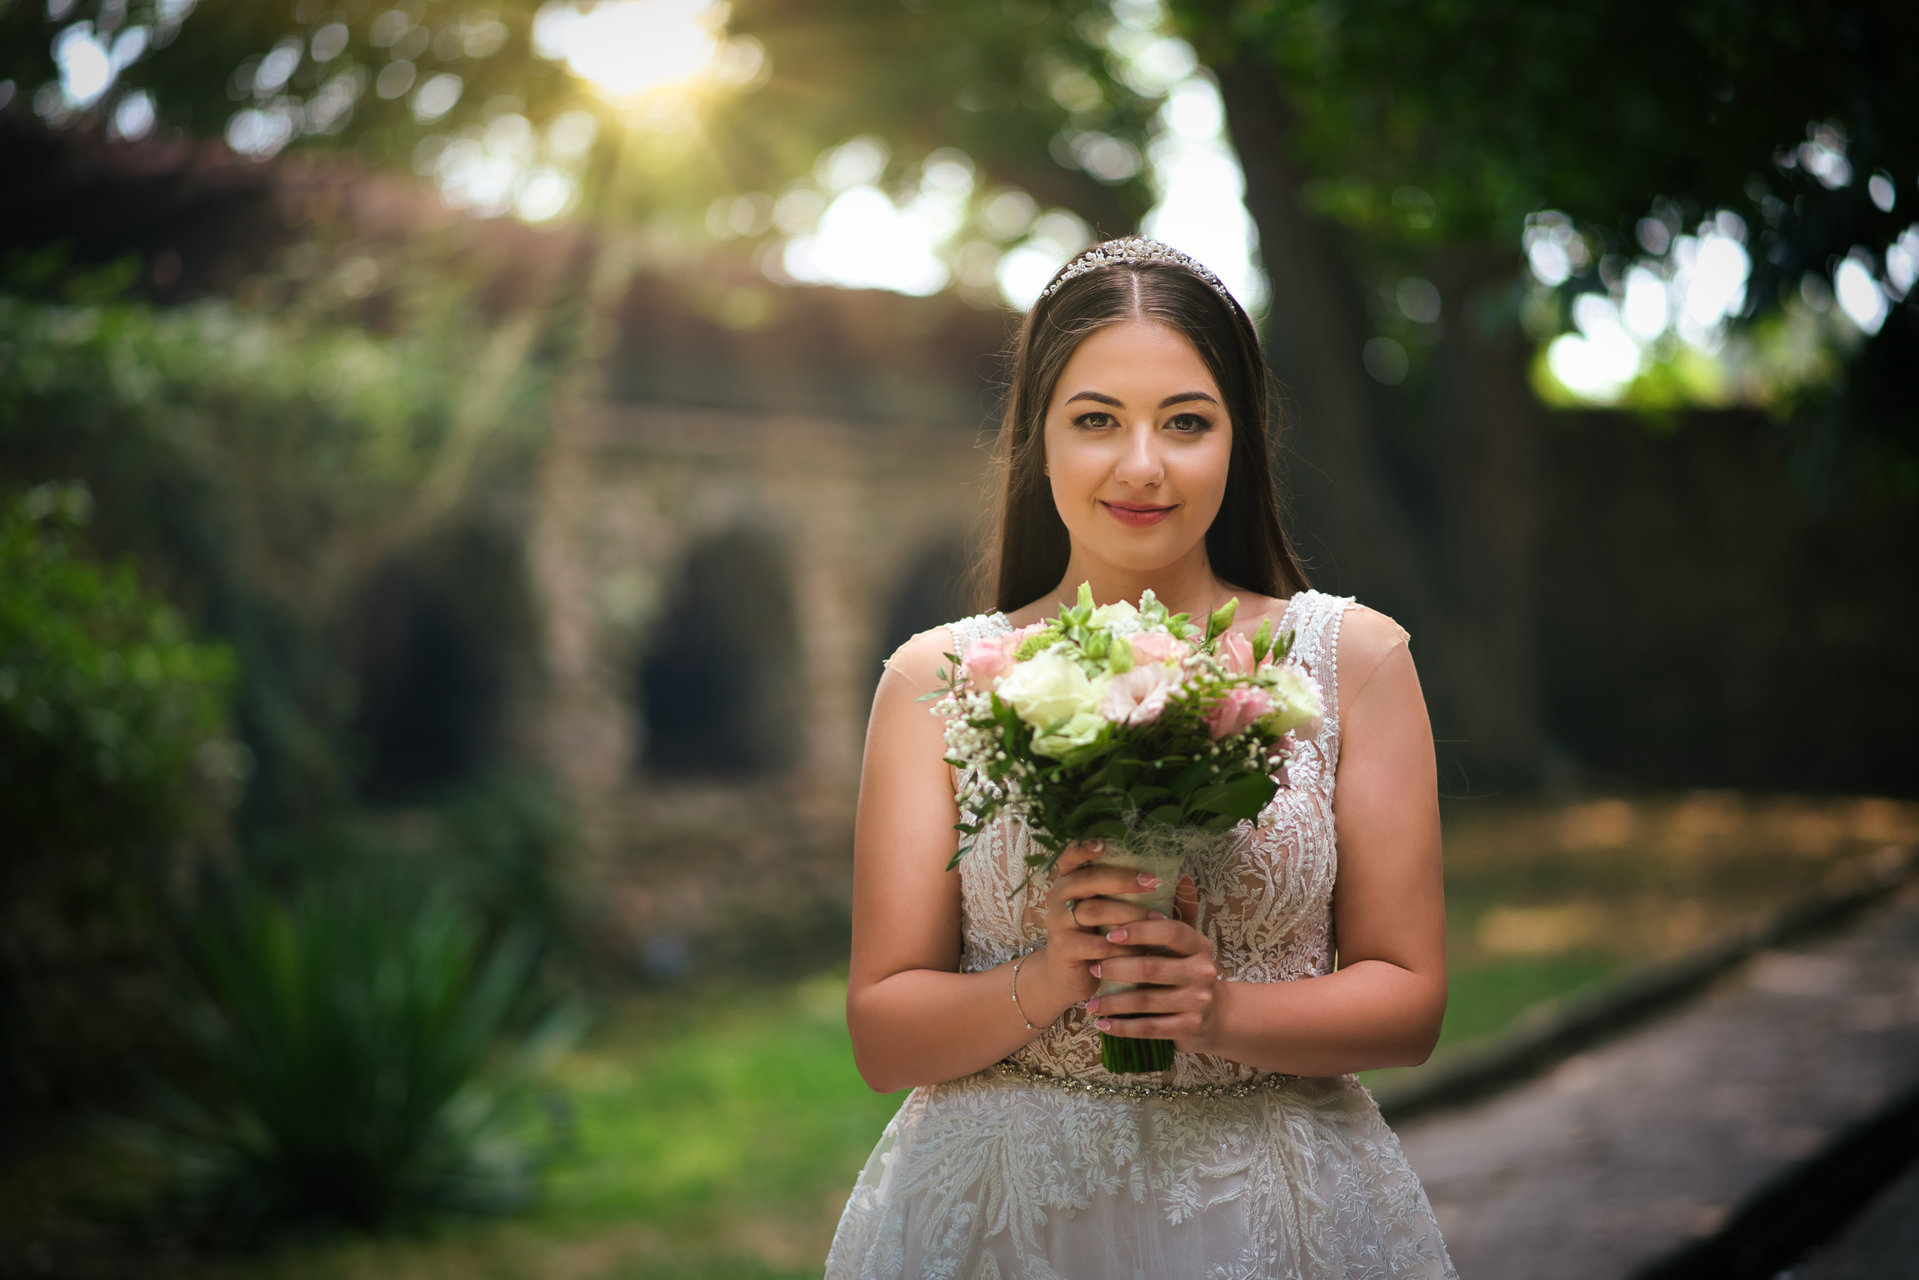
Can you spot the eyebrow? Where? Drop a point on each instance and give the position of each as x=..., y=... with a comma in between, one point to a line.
x=1181, y=397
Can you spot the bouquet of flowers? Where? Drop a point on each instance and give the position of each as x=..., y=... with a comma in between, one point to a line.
x=1127, y=724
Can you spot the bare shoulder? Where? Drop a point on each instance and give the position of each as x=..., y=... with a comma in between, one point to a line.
x=1367, y=639
x=924, y=660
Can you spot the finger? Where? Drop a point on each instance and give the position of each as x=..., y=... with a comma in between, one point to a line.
x=1104, y=881
x=1078, y=855
x=1155, y=1001
x=1103, y=914
x=1169, y=1027
x=1186, y=901
x=1083, y=946
x=1175, y=936
x=1159, y=970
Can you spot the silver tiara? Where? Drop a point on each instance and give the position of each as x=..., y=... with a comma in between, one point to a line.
x=1131, y=249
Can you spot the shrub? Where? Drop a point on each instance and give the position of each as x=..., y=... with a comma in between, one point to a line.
x=115, y=766
x=354, y=1070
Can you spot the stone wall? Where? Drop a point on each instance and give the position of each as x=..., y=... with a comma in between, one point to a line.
x=847, y=512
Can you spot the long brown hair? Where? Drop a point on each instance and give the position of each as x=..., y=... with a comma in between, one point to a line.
x=1027, y=549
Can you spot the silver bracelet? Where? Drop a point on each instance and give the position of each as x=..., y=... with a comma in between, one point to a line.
x=1022, y=1013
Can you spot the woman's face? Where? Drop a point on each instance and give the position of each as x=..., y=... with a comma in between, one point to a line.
x=1137, y=444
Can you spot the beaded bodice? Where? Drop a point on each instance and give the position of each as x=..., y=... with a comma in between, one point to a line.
x=1265, y=899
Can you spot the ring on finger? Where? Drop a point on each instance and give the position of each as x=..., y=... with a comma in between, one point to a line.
x=1072, y=912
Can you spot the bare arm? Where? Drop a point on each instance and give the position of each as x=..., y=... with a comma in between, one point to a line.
x=1383, y=1006
x=914, y=1018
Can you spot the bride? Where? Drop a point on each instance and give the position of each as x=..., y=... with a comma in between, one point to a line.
x=1134, y=454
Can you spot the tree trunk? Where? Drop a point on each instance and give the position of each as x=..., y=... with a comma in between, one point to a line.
x=1431, y=521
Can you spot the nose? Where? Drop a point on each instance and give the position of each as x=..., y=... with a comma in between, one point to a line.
x=1140, y=464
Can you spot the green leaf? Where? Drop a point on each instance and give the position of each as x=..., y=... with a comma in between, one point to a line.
x=1189, y=778
x=1262, y=641
x=1088, y=810
x=1243, y=797
x=1167, y=815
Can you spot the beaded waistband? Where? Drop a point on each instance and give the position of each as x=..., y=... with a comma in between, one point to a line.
x=1140, y=1092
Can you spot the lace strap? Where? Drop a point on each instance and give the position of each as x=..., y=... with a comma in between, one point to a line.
x=1317, y=646
x=969, y=631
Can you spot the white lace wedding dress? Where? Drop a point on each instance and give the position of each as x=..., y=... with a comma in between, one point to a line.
x=1046, y=1167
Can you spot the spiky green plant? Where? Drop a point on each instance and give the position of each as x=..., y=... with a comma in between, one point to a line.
x=356, y=1066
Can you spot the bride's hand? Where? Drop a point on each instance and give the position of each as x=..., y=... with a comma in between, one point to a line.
x=1079, y=915
x=1180, y=1004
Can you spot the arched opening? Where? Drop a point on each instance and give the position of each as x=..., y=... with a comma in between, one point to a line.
x=716, y=687
x=427, y=698
x=933, y=590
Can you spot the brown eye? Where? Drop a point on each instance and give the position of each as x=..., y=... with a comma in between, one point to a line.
x=1189, y=423
x=1094, y=421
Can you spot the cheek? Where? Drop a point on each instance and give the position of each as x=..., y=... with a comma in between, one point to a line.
x=1207, y=468
x=1070, y=465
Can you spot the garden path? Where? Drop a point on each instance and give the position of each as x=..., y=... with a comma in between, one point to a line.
x=1621, y=1158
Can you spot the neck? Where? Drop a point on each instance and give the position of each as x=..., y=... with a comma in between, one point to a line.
x=1187, y=586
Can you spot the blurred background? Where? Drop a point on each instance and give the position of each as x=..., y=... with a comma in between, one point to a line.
x=462, y=463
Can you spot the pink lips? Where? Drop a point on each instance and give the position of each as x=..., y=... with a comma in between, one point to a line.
x=1136, y=517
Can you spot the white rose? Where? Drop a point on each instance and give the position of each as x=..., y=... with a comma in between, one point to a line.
x=1119, y=618
x=1049, y=688
x=1076, y=732
x=1295, y=699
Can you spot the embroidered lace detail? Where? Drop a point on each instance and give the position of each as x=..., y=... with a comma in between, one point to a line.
x=1232, y=1173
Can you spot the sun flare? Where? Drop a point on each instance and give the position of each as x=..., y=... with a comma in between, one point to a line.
x=627, y=49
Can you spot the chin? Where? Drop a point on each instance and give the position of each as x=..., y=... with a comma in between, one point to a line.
x=1142, y=555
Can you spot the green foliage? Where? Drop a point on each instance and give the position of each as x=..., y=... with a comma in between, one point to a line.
x=1008, y=84
x=260, y=466
x=203, y=59
x=115, y=768
x=1490, y=111
x=112, y=719
x=349, y=1075
x=491, y=845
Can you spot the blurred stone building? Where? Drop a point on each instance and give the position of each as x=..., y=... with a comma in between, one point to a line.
x=725, y=547
x=679, y=609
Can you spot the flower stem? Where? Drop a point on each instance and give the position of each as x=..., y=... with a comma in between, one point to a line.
x=1127, y=1055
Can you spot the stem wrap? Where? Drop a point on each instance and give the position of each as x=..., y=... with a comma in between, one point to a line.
x=1166, y=852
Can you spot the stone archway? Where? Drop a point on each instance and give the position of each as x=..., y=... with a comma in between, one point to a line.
x=933, y=590
x=715, y=689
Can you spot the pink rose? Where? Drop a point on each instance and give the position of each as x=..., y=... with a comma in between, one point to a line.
x=1237, y=710
x=1139, y=696
x=1157, y=646
x=1236, y=653
x=991, y=658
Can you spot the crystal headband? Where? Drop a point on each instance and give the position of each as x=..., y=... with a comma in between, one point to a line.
x=1133, y=249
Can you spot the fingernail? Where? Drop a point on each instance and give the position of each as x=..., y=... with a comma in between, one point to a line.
x=1104, y=1024
x=1097, y=846
x=1151, y=882
x=1155, y=915
x=1092, y=1006
x=1117, y=935
x=1096, y=971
